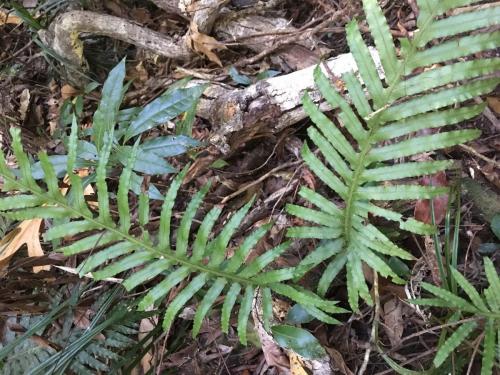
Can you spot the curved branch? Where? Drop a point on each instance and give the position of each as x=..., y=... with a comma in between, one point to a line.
x=205, y=13
x=63, y=35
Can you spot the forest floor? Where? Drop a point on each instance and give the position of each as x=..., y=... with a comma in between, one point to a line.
x=34, y=88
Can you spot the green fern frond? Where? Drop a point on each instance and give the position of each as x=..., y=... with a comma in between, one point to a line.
x=200, y=265
x=381, y=122
x=479, y=310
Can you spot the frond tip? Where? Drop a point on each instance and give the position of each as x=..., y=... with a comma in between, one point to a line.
x=386, y=122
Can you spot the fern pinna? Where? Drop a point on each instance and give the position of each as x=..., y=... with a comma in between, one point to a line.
x=426, y=86
x=199, y=264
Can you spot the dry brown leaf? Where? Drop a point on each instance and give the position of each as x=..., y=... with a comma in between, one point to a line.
x=139, y=73
x=393, y=319
x=204, y=44
x=41, y=341
x=68, y=91
x=494, y=103
x=24, y=103
x=280, y=308
x=81, y=318
x=430, y=252
x=423, y=211
x=296, y=365
x=28, y=232
x=146, y=326
x=272, y=352
x=9, y=18
x=338, y=361
x=141, y=15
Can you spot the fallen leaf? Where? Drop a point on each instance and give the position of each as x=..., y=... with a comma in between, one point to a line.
x=430, y=252
x=9, y=18
x=141, y=15
x=68, y=91
x=28, y=232
x=423, y=210
x=339, y=362
x=41, y=341
x=204, y=44
x=296, y=365
x=273, y=354
x=494, y=103
x=116, y=8
x=81, y=318
x=140, y=72
x=393, y=319
x=146, y=326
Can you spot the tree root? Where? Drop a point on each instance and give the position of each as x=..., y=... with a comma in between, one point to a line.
x=63, y=33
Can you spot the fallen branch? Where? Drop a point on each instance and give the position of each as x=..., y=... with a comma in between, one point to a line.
x=269, y=105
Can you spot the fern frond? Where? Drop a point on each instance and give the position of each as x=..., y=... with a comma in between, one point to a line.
x=381, y=123
x=478, y=310
x=453, y=342
x=200, y=265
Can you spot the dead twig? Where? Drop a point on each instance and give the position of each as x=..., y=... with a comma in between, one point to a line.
x=260, y=179
x=470, y=150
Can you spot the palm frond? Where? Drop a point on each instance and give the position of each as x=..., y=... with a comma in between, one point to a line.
x=71, y=347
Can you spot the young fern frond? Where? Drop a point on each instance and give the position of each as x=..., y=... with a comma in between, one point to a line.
x=406, y=102
x=198, y=265
x=482, y=308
